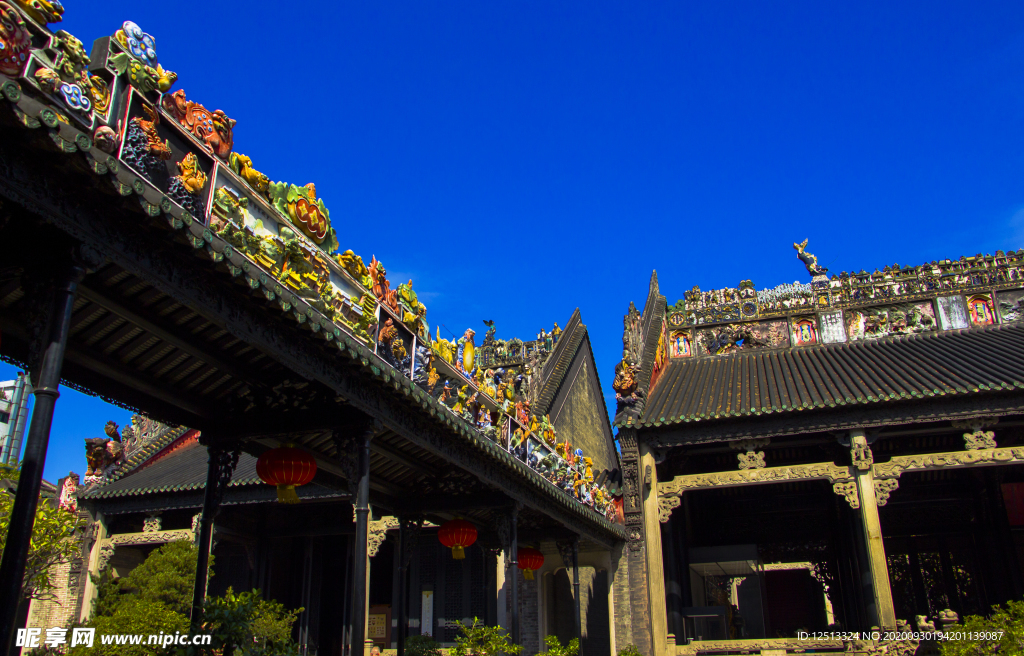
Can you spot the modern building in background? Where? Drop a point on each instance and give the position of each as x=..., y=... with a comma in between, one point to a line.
x=13, y=417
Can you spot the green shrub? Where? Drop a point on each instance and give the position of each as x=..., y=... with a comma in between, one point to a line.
x=422, y=645
x=555, y=647
x=630, y=650
x=1005, y=624
x=248, y=625
x=157, y=597
x=479, y=639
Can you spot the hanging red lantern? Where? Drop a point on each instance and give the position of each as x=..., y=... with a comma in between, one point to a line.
x=457, y=534
x=286, y=467
x=529, y=560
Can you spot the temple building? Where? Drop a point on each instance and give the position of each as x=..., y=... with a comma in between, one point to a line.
x=149, y=262
x=825, y=456
x=301, y=555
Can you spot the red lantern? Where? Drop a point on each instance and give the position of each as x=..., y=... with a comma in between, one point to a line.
x=457, y=534
x=529, y=559
x=286, y=467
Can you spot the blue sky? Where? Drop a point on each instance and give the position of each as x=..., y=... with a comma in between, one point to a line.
x=517, y=160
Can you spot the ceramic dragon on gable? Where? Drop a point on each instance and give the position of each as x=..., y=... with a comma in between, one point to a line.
x=810, y=261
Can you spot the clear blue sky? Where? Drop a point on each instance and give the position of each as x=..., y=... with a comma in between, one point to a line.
x=518, y=160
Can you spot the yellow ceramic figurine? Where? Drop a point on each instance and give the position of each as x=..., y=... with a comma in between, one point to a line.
x=42, y=11
x=443, y=348
x=192, y=177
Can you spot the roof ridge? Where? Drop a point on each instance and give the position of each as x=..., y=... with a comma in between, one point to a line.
x=145, y=453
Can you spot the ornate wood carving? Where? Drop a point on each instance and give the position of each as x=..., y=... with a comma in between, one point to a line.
x=670, y=492
x=885, y=475
x=632, y=497
x=378, y=533
x=151, y=537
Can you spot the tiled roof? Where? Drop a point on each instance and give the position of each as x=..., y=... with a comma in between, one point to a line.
x=558, y=364
x=148, y=450
x=762, y=382
x=183, y=470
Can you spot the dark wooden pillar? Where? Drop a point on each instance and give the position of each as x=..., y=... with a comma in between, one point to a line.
x=576, y=589
x=408, y=538
x=360, y=577
x=513, y=578
x=220, y=465
x=15, y=557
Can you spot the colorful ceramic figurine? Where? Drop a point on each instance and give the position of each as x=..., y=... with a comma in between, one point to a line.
x=381, y=286
x=157, y=148
x=467, y=351
x=214, y=129
x=105, y=139
x=191, y=175
x=242, y=165
x=185, y=187
x=354, y=265
x=42, y=11
x=145, y=71
x=444, y=348
x=306, y=212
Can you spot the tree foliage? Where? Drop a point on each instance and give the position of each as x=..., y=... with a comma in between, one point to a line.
x=1000, y=633
x=630, y=650
x=53, y=540
x=422, y=645
x=479, y=639
x=247, y=625
x=555, y=647
x=156, y=597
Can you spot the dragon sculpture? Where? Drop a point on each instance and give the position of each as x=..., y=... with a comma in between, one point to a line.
x=810, y=261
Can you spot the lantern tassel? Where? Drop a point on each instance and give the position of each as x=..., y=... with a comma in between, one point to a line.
x=528, y=574
x=286, y=494
x=458, y=553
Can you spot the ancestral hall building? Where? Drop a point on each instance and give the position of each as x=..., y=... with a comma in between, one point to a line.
x=302, y=555
x=146, y=260
x=832, y=455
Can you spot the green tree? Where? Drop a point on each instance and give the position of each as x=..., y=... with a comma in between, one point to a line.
x=630, y=650
x=480, y=639
x=53, y=540
x=156, y=597
x=248, y=625
x=555, y=647
x=1000, y=633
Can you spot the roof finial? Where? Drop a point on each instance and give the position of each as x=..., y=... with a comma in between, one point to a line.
x=810, y=261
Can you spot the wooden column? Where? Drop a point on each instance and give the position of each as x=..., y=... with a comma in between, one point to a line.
x=576, y=589
x=513, y=621
x=23, y=512
x=361, y=560
x=408, y=539
x=220, y=465
x=652, y=538
x=884, y=612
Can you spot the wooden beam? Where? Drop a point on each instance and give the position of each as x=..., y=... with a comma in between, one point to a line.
x=149, y=326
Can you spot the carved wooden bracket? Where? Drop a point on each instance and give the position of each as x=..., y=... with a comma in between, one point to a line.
x=378, y=532
x=669, y=492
